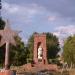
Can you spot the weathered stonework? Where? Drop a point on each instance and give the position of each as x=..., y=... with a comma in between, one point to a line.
x=7, y=72
x=40, y=38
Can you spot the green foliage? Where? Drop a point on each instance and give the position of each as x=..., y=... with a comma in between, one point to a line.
x=2, y=57
x=2, y=24
x=69, y=50
x=30, y=47
x=52, y=46
x=18, y=54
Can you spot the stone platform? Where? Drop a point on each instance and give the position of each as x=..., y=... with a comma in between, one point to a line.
x=33, y=68
x=50, y=67
x=7, y=72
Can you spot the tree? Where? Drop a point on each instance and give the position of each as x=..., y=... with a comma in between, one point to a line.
x=52, y=46
x=69, y=50
x=2, y=55
x=30, y=47
x=18, y=54
x=2, y=25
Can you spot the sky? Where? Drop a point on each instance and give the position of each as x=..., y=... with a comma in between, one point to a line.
x=28, y=16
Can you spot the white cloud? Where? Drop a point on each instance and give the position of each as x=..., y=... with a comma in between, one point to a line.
x=26, y=10
x=63, y=32
x=69, y=29
x=59, y=35
x=56, y=33
x=10, y=8
x=22, y=13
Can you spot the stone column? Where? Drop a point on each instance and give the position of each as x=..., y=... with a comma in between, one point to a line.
x=7, y=56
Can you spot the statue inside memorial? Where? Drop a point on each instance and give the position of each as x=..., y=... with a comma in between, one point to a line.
x=40, y=53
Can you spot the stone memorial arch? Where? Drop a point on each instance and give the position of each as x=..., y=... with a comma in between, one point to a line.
x=40, y=50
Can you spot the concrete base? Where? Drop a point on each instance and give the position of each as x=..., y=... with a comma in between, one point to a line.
x=7, y=72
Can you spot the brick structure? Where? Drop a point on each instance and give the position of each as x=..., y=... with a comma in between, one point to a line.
x=7, y=72
x=40, y=39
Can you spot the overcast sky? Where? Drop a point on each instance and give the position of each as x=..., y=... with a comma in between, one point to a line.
x=56, y=16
